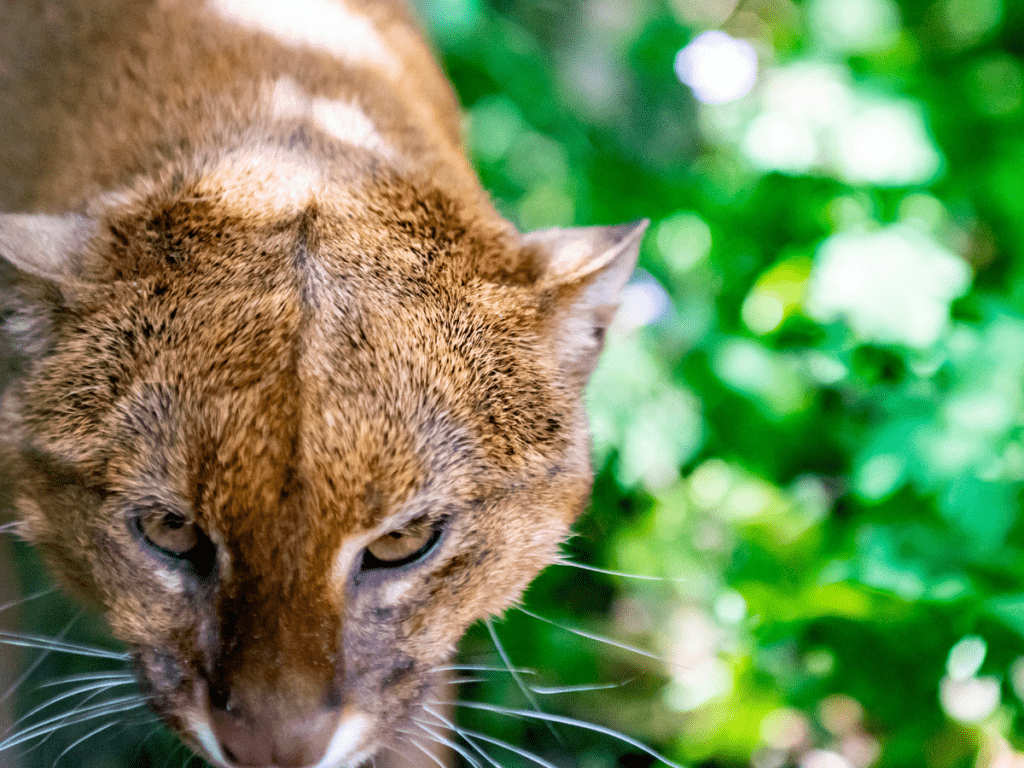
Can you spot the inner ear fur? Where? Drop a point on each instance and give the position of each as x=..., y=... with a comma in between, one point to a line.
x=582, y=273
x=39, y=254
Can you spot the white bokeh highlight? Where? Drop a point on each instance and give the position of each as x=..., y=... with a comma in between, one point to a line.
x=718, y=68
x=811, y=118
x=891, y=286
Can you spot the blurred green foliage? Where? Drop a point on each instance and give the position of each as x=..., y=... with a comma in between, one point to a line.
x=808, y=420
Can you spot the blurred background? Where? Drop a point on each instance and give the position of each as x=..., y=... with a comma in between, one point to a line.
x=808, y=420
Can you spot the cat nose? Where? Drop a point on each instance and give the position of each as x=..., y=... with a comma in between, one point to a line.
x=257, y=737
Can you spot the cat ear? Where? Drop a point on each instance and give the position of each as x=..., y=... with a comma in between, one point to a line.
x=583, y=271
x=38, y=254
x=44, y=246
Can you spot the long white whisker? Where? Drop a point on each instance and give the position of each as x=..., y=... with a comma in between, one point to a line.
x=87, y=676
x=596, y=638
x=38, y=660
x=463, y=680
x=45, y=727
x=99, y=687
x=621, y=574
x=483, y=668
x=79, y=741
x=425, y=727
x=511, y=748
x=153, y=731
x=49, y=644
x=469, y=740
x=570, y=721
x=80, y=705
x=545, y=690
x=515, y=676
x=23, y=600
x=426, y=752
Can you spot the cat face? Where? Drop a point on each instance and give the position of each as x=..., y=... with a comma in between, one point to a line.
x=294, y=455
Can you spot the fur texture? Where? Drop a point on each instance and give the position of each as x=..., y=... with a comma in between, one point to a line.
x=250, y=280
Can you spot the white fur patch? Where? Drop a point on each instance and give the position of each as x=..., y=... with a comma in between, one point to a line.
x=344, y=749
x=344, y=561
x=288, y=100
x=346, y=122
x=170, y=579
x=323, y=24
x=395, y=591
x=204, y=735
x=263, y=183
x=343, y=120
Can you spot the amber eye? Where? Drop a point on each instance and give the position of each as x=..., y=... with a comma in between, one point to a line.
x=169, y=531
x=402, y=546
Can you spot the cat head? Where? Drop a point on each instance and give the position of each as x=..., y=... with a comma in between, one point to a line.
x=294, y=450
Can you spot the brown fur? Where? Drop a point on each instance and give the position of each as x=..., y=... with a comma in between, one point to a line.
x=288, y=371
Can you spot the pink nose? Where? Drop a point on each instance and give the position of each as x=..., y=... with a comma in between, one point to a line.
x=251, y=738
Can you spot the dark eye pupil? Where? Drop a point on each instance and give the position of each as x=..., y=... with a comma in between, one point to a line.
x=396, y=534
x=173, y=536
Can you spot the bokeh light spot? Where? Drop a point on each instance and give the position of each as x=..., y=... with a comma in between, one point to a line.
x=855, y=26
x=717, y=67
x=891, y=286
x=886, y=143
x=966, y=657
x=684, y=240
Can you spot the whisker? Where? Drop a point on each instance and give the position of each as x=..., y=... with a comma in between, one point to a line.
x=570, y=721
x=469, y=740
x=621, y=574
x=23, y=600
x=49, y=644
x=426, y=752
x=463, y=680
x=483, y=668
x=78, y=707
x=86, y=676
x=515, y=676
x=447, y=742
x=99, y=687
x=89, y=735
x=596, y=638
x=153, y=732
x=45, y=727
x=38, y=660
x=545, y=690
x=510, y=747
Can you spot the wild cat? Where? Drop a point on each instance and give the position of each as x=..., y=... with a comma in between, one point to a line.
x=291, y=403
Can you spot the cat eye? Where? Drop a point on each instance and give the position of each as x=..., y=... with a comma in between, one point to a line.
x=412, y=542
x=168, y=531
